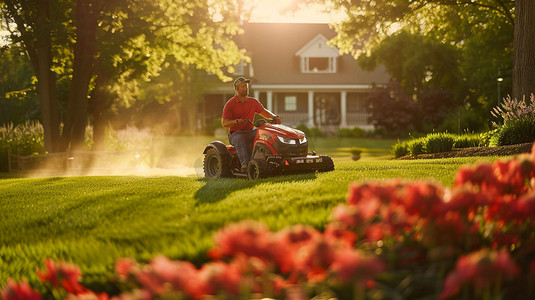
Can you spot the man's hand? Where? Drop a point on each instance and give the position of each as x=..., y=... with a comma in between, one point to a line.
x=276, y=120
x=242, y=121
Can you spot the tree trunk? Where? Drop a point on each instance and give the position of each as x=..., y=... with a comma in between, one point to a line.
x=46, y=79
x=524, y=49
x=84, y=57
x=100, y=102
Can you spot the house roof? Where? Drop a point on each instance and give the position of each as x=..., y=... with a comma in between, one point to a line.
x=274, y=49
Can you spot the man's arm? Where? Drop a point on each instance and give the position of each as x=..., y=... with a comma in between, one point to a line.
x=227, y=123
x=267, y=114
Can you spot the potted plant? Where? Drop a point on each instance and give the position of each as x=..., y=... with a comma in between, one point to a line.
x=355, y=153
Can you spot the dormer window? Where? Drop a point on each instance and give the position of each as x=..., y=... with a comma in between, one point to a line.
x=318, y=64
x=317, y=57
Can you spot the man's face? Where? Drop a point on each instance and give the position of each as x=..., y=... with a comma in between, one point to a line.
x=242, y=89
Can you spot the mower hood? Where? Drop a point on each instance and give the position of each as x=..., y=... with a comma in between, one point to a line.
x=284, y=131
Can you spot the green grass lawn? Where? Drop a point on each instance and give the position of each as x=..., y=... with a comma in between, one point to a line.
x=93, y=220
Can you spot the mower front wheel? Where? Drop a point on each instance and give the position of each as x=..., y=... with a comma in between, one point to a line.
x=216, y=165
x=257, y=169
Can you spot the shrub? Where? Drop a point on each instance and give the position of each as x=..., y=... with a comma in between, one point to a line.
x=400, y=149
x=416, y=146
x=439, y=142
x=486, y=137
x=352, y=132
x=466, y=140
x=26, y=139
x=512, y=109
x=515, y=131
x=310, y=132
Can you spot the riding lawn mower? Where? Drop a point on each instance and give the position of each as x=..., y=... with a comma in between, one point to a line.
x=277, y=150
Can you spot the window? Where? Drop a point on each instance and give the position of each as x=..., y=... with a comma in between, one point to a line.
x=318, y=64
x=290, y=103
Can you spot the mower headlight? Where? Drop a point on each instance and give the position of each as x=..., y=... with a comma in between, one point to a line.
x=303, y=140
x=286, y=140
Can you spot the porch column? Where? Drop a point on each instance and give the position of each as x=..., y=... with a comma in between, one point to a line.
x=343, y=109
x=256, y=95
x=270, y=101
x=310, y=122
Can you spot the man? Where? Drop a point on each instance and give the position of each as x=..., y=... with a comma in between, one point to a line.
x=238, y=114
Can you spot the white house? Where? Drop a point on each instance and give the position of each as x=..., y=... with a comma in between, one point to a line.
x=298, y=76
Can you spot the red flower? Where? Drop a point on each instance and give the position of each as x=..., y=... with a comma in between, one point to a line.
x=336, y=232
x=352, y=265
x=315, y=258
x=248, y=237
x=19, y=291
x=219, y=276
x=481, y=269
x=523, y=208
x=125, y=266
x=288, y=242
x=67, y=275
x=422, y=198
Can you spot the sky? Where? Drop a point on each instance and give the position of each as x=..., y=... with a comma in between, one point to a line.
x=272, y=11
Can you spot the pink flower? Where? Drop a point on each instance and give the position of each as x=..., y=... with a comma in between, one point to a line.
x=352, y=265
x=248, y=237
x=19, y=291
x=66, y=274
x=125, y=266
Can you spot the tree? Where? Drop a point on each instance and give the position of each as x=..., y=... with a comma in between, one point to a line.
x=117, y=45
x=480, y=31
x=36, y=32
x=524, y=51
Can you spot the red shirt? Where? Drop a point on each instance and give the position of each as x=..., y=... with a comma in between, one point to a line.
x=234, y=109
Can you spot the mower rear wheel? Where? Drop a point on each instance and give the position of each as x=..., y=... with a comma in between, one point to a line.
x=328, y=164
x=257, y=169
x=216, y=165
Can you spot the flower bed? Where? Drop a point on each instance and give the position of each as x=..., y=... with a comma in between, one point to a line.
x=391, y=239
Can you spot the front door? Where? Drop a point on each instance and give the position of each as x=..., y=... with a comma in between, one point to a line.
x=326, y=110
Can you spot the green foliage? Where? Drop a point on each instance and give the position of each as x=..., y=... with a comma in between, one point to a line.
x=467, y=140
x=416, y=146
x=435, y=143
x=487, y=137
x=311, y=133
x=356, y=132
x=442, y=43
x=515, y=131
x=24, y=139
x=518, y=122
x=400, y=149
x=439, y=142
x=18, y=99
